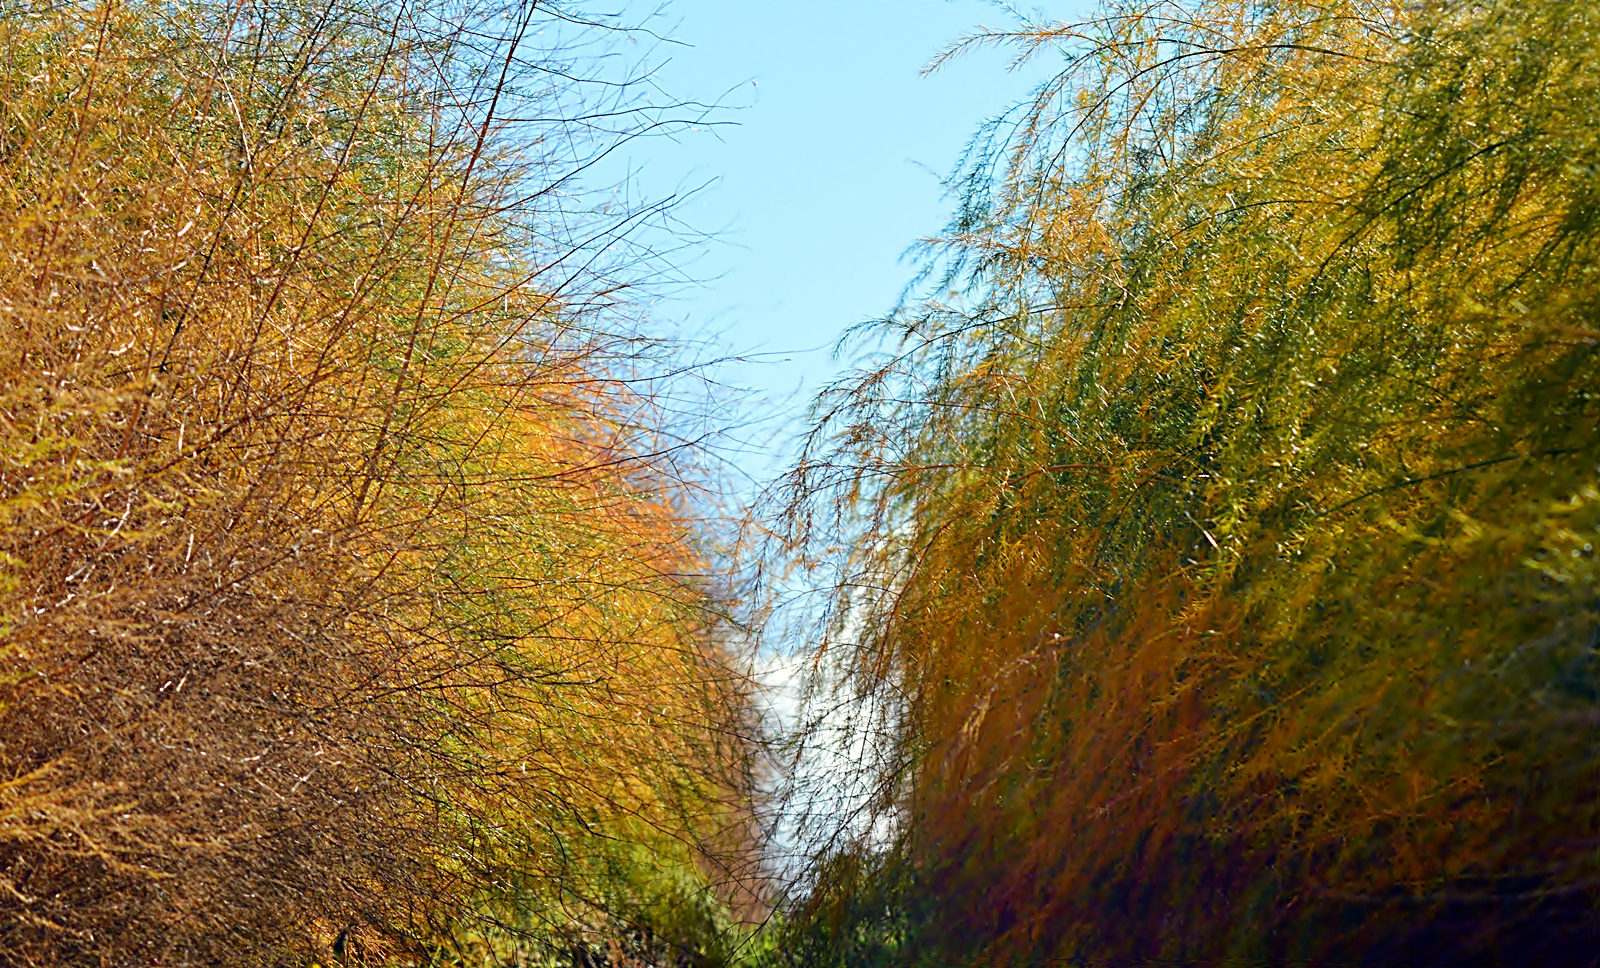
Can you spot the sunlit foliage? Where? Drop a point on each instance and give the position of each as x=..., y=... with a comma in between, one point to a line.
x=1221, y=530
x=353, y=600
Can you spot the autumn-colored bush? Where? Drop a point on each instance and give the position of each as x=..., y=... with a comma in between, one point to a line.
x=1222, y=531
x=352, y=594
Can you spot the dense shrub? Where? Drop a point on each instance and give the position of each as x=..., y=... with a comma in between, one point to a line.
x=353, y=594
x=1222, y=530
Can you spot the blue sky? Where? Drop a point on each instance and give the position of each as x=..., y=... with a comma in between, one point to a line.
x=827, y=169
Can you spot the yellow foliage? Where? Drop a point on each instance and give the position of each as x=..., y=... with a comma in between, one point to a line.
x=342, y=599
x=1227, y=545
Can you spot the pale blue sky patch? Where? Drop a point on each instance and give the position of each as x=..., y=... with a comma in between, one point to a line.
x=827, y=169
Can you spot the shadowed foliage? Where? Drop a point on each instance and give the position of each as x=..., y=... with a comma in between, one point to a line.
x=1221, y=531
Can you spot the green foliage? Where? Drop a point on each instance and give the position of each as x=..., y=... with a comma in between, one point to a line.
x=1227, y=531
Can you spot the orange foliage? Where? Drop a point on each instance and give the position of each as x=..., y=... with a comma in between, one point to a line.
x=342, y=603
x=1228, y=545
